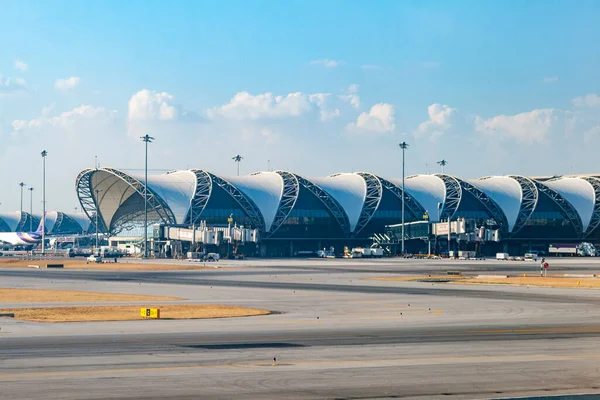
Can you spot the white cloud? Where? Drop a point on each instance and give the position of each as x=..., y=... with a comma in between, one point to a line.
x=551, y=79
x=327, y=63
x=147, y=109
x=381, y=119
x=67, y=83
x=321, y=100
x=147, y=105
x=246, y=106
x=590, y=100
x=528, y=127
x=351, y=96
x=11, y=85
x=266, y=105
x=591, y=134
x=21, y=65
x=441, y=118
x=67, y=119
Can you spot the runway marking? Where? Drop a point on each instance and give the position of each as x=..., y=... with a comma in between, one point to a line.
x=396, y=361
x=169, y=341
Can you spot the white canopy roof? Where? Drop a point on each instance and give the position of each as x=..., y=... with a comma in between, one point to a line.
x=428, y=190
x=579, y=193
x=506, y=192
x=175, y=188
x=12, y=219
x=265, y=189
x=349, y=190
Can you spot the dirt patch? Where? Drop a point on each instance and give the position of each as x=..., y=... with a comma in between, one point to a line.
x=118, y=266
x=420, y=278
x=550, y=281
x=13, y=295
x=555, y=282
x=130, y=313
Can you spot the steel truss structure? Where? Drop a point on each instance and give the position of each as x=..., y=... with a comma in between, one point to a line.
x=247, y=205
x=529, y=199
x=22, y=222
x=329, y=202
x=83, y=186
x=372, y=200
x=291, y=190
x=125, y=215
x=490, y=205
x=453, y=196
x=595, y=221
x=4, y=226
x=567, y=208
x=202, y=193
x=416, y=210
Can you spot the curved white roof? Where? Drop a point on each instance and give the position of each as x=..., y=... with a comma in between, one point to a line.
x=113, y=192
x=428, y=190
x=175, y=188
x=51, y=217
x=580, y=193
x=12, y=219
x=265, y=189
x=506, y=192
x=349, y=190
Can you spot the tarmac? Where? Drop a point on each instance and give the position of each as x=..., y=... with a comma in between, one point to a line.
x=334, y=335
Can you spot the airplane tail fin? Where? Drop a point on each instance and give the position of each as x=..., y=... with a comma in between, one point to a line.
x=40, y=227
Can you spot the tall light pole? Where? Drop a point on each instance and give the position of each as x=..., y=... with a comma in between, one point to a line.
x=147, y=139
x=21, y=184
x=97, y=212
x=403, y=146
x=238, y=159
x=44, y=154
x=439, y=210
x=30, y=209
x=442, y=163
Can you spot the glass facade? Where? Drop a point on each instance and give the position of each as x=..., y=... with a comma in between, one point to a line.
x=547, y=221
x=309, y=219
x=389, y=212
x=220, y=206
x=471, y=208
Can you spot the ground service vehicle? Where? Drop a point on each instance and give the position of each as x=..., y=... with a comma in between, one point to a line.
x=583, y=249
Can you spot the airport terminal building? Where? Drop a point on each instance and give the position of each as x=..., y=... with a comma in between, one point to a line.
x=57, y=223
x=294, y=213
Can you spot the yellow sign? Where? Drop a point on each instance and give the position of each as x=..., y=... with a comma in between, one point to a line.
x=150, y=313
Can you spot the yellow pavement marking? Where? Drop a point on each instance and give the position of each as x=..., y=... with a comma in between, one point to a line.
x=399, y=361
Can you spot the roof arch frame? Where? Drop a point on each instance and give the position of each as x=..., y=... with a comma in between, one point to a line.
x=334, y=208
x=567, y=208
x=89, y=203
x=373, y=197
x=491, y=206
x=529, y=200
x=244, y=201
x=453, y=196
x=415, y=208
x=202, y=193
x=291, y=191
x=595, y=221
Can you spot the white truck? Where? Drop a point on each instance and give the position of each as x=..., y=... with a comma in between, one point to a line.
x=371, y=252
x=502, y=256
x=573, y=250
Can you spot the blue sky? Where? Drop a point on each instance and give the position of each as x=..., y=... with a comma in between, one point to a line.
x=494, y=87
